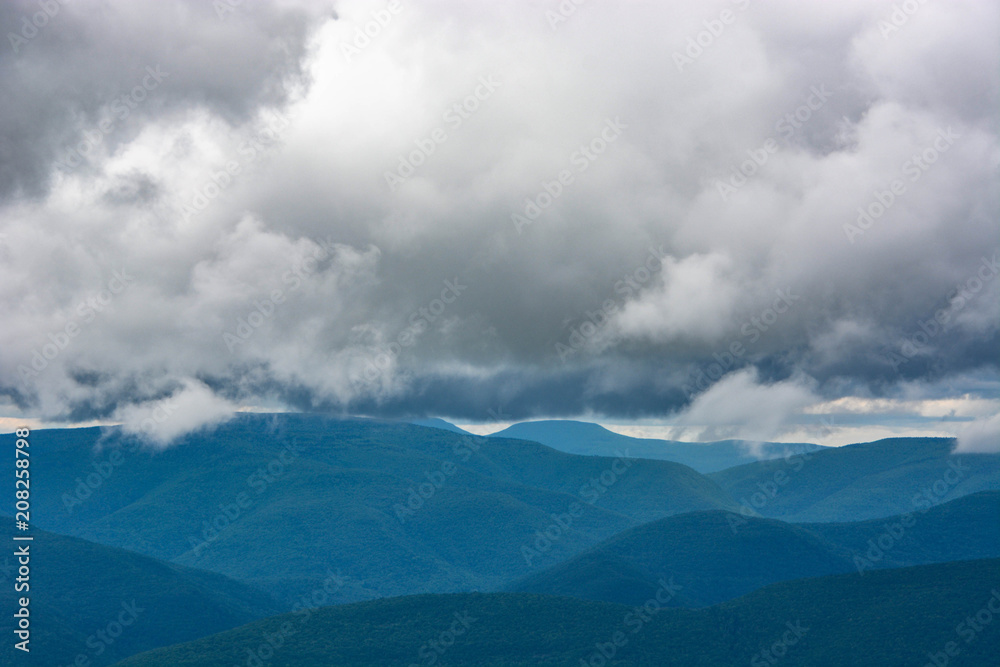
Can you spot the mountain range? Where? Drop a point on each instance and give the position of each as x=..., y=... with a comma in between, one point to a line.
x=889, y=618
x=718, y=555
x=276, y=502
x=365, y=525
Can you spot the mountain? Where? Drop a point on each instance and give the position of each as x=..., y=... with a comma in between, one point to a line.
x=966, y=528
x=81, y=594
x=280, y=501
x=889, y=618
x=434, y=422
x=717, y=556
x=862, y=481
x=588, y=439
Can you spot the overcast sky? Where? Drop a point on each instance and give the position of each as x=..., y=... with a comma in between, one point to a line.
x=704, y=219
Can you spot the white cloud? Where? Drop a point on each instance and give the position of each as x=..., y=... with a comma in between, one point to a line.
x=160, y=422
x=740, y=406
x=695, y=299
x=982, y=435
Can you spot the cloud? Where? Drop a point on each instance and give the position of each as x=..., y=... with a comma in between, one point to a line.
x=82, y=67
x=192, y=407
x=982, y=435
x=258, y=164
x=739, y=403
x=695, y=299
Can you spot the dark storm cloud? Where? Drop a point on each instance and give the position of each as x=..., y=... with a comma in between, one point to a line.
x=451, y=211
x=85, y=56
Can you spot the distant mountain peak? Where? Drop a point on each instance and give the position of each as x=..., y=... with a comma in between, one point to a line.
x=565, y=426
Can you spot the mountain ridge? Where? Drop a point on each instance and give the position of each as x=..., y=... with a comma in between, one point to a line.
x=818, y=622
x=589, y=439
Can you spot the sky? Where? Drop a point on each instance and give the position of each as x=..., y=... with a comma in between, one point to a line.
x=685, y=219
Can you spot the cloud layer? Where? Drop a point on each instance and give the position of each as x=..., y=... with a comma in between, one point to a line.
x=429, y=209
